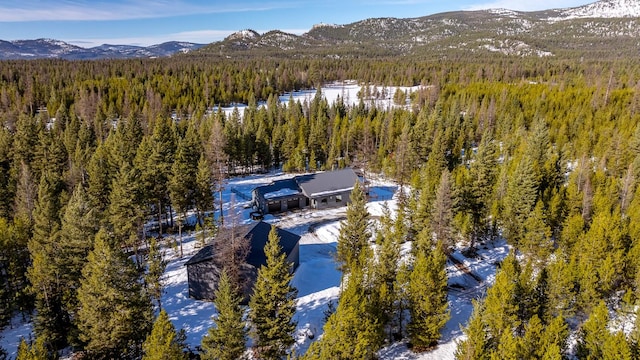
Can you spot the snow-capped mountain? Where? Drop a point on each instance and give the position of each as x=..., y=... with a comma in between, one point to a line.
x=606, y=28
x=603, y=9
x=56, y=49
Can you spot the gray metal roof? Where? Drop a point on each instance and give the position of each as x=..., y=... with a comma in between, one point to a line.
x=277, y=186
x=325, y=183
x=258, y=235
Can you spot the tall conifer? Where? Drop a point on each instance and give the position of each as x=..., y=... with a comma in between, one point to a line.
x=227, y=339
x=354, y=232
x=273, y=303
x=115, y=313
x=163, y=343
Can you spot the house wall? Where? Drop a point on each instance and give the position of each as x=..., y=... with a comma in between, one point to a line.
x=203, y=280
x=282, y=204
x=331, y=201
x=294, y=257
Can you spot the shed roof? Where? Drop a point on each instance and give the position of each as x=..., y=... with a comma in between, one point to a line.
x=258, y=235
x=326, y=183
x=259, y=238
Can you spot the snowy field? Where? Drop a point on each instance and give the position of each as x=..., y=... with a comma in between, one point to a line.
x=347, y=90
x=317, y=280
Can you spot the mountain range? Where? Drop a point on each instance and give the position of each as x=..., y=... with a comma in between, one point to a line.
x=603, y=29
x=56, y=49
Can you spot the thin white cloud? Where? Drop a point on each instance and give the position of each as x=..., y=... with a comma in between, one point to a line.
x=32, y=10
x=527, y=5
x=199, y=36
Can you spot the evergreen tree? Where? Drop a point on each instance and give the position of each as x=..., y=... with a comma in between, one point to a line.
x=508, y=346
x=164, y=342
x=354, y=233
x=155, y=269
x=273, y=303
x=75, y=240
x=536, y=242
x=616, y=347
x=594, y=333
x=388, y=256
x=227, y=340
x=125, y=210
x=51, y=321
x=519, y=201
x=157, y=170
x=182, y=183
x=442, y=214
x=115, y=313
x=502, y=304
x=352, y=331
x=204, y=189
x=476, y=345
x=483, y=178
x=100, y=178
x=37, y=350
x=428, y=305
x=553, y=342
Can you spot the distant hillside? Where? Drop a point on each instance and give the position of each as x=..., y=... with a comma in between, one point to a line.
x=55, y=49
x=603, y=29
x=607, y=28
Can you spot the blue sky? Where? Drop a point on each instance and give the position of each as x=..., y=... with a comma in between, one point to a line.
x=140, y=22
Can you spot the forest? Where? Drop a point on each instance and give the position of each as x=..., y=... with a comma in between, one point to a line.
x=544, y=153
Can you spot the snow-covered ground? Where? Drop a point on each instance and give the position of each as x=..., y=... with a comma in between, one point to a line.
x=347, y=90
x=317, y=279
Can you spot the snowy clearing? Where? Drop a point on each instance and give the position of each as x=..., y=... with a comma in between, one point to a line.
x=317, y=279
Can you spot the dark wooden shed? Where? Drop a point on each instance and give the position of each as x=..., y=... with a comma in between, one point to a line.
x=203, y=273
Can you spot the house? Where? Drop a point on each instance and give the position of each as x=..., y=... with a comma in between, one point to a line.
x=203, y=272
x=318, y=191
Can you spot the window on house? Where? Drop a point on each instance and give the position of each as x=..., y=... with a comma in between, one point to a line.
x=338, y=198
x=324, y=201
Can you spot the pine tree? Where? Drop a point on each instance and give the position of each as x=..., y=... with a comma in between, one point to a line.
x=100, y=178
x=51, y=321
x=352, y=331
x=553, y=341
x=442, y=212
x=536, y=242
x=227, y=340
x=519, y=201
x=164, y=342
x=616, y=347
x=125, y=209
x=273, y=303
x=428, y=305
x=388, y=256
x=594, y=333
x=155, y=269
x=182, y=182
x=354, y=233
x=501, y=304
x=217, y=158
x=115, y=313
x=204, y=189
x=476, y=345
x=155, y=174
x=75, y=240
x=483, y=178
x=37, y=350
x=507, y=348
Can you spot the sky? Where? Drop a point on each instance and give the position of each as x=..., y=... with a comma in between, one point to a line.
x=89, y=23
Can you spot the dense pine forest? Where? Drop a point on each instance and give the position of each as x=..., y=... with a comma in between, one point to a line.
x=542, y=152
